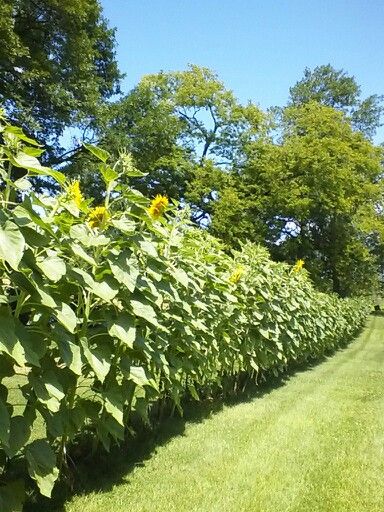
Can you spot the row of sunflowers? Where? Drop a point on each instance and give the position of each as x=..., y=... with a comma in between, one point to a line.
x=109, y=310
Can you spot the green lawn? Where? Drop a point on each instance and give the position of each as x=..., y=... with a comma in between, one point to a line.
x=15, y=397
x=313, y=444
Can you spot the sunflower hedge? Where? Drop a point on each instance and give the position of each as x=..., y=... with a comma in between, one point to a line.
x=114, y=310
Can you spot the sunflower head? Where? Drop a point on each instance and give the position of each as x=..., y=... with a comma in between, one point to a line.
x=298, y=265
x=158, y=206
x=74, y=193
x=98, y=216
x=236, y=274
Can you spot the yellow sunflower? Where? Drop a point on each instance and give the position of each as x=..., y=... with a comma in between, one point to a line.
x=74, y=193
x=298, y=265
x=98, y=216
x=158, y=206
x=236, y=275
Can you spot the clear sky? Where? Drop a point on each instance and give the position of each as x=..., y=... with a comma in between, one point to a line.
x=259, y=48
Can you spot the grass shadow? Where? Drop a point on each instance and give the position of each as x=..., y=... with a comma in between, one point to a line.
x=377, y=312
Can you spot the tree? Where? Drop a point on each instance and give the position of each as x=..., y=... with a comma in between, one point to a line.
x=178, y=126
x=335, y=88
x=57, y=65
x=312, y=195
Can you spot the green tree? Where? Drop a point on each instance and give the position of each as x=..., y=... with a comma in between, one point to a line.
x=335, y=88
x=179, y=126
x=57, y=65
x=314, y=194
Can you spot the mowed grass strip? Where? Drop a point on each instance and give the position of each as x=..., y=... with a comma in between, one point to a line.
x=314, y=444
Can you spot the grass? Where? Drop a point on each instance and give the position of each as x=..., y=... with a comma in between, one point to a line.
x=15, y=397
x=314, y=444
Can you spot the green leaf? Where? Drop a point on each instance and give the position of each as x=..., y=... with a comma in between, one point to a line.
x=135, y=173
x=109, y=175
x=33, y=151
x=98, y=357
x=20, y=280
x=12, y=244
x=18, y=132
x=42, y=465
x=12, y=496
x=106, y=289
x=257, y=315
x=70, y=353
x=80, y=253
x=32, y=237
x=123, y=328
x=20, y=432
x=6, y=367
x=33, y=165
x=148, y=248
x=53, y=267
x=181, y=276
x=138, y=376
x=25, y=215
x=66, y=316
x=9, y=341
x=48, y=390
x=125, y=269
x=99, y=153
x=193, y=391
x=113, y=402
x=81, y=232
x=144, y=311
x=5, y=425
x=125, y=225
x=254, y=365
x=23, y=184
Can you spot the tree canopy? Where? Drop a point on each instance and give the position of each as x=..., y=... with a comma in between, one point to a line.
x=335, y=88
x=57, y=65
x=314, y=194
x=178, y=126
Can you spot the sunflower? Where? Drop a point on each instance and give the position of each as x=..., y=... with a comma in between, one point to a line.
x=298, y=265
x=98, y=216
x=158, y=206
x=236, y=274
x=74, y=193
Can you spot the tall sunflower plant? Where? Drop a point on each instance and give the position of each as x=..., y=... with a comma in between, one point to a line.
x=117, y=312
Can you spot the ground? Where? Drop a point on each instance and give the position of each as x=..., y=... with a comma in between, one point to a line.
x=313, y=443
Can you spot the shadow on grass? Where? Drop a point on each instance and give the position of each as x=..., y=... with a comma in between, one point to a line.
x=103, y=471
x=377, y=312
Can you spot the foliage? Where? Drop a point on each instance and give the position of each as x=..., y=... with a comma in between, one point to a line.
x=334, y=88
x=315, y=193
x=110, y=311
x=175, y=125
x=57, y=65
x=284, y=447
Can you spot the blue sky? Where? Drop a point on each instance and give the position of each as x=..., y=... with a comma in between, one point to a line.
x=258, y=48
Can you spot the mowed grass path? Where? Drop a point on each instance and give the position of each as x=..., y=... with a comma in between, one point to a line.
x=313, y=444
